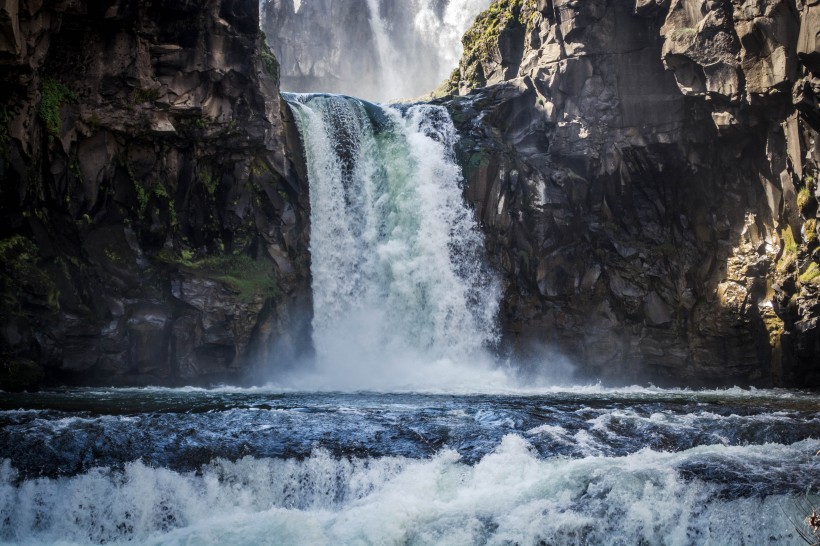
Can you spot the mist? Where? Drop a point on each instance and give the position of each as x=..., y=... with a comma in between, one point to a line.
x=379, y=50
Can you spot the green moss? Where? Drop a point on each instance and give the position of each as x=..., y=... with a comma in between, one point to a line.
x=53, y=96
x=811, y=231
x=259, y=167
x=482, y=38
x=789, y=254
x=811, y=275
x=774, y=325
x=249, y=278
x=159, y=191
x=269, y=61
x=113, y=257
x=208, y=182
x=803, y=197
x=789, y=243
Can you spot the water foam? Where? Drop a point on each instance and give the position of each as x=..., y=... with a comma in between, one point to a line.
x=509, y=496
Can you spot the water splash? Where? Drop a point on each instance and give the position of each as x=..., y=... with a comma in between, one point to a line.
x=399, y=275
x=510, y=496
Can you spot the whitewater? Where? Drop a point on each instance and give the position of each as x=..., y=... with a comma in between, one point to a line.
x=407, y=428
x=249, y=467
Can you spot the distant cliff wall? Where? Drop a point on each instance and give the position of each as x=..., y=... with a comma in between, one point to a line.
x=379, y=50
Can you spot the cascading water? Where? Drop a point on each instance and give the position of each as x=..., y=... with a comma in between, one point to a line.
x=401, y=290
x=403, y=301
x=380, y=50
x=234, y=467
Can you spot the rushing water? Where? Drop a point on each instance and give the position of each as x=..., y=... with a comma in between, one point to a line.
x=574, y=466
x=376, y=49
x=404, y=432
x=402, y=294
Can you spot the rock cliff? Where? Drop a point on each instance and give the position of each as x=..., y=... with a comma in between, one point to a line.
x=646, y=176
x=154, y=225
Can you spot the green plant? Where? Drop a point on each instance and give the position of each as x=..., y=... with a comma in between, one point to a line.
x=803, y=198
x=53, y=96
x=789, y=254
x=246, y=276
x=208, y=182
x=269, y=61
x=159, y=191
x=142, y=195
x=811, y=231
x=113, y=257
x=74, y=167
x=811, y=275
x=259, y=167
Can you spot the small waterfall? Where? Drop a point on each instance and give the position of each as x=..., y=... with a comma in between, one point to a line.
x=399, y=275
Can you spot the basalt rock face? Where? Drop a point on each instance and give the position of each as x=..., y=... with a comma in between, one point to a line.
x=646, y=176
x=154, y=225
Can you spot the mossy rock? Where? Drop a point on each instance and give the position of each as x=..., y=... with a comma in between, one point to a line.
x=19, y=374
x=806, y=202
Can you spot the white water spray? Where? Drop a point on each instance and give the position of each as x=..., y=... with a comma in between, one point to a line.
x=403, y=297
x=509, y=497
x=381, y=50
x=388, y=57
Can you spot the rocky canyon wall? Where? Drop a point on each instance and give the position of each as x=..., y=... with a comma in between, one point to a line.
x=646, y=176
x=154, y=225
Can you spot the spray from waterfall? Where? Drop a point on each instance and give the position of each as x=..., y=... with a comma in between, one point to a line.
x=380, y=50
x=403, y=297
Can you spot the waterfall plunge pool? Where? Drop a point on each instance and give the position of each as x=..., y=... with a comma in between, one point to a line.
x=582, y=465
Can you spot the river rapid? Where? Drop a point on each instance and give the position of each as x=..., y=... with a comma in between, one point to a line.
x=583, y=465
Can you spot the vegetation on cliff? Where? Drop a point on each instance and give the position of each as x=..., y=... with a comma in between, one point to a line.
x=152, y=223
x=482, y=54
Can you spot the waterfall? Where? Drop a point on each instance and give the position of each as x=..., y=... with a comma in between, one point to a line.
x=380, y=50
x=388, y=58
x=399, y=275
